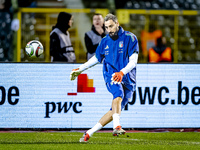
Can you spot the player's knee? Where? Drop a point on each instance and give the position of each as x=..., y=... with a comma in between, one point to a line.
x=117, y=100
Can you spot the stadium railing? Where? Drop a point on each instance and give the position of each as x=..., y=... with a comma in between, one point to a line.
x=36, y=24
x=180, y=27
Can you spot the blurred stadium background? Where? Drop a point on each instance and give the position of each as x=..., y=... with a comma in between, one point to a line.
x=178, y=20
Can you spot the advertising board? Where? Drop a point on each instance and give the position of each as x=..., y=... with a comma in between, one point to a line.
x=35, y=95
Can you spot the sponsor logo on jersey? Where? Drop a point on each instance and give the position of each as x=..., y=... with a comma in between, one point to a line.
x=107, y=47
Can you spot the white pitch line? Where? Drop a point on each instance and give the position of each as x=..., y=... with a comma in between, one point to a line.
x=128, y=138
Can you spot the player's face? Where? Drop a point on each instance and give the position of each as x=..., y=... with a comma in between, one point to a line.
x=111, y=27
x=98, y=20
x=71, y=21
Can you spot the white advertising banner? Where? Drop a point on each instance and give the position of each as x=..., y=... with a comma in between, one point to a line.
x=39, y=95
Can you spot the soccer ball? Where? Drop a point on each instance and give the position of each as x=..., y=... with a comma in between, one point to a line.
x=34, y=48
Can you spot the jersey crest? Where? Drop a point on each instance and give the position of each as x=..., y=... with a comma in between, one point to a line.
x=120, y=44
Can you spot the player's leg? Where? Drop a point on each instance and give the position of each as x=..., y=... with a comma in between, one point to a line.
x=118, y=94
x=102, y=122
x=86, y=136
x=118, y=104
x=116, y=111
x=106, y=118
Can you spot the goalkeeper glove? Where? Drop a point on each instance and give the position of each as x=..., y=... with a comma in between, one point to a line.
x=117, y=77
x=74, y=73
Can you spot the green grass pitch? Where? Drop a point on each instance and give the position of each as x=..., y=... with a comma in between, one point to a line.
x=100, y=141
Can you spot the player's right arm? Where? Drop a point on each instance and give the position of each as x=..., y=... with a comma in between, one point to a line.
x=97, y=58
x=90, y=63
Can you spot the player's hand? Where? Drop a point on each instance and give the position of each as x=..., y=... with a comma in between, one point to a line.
x=117, y=77
x=74, y=73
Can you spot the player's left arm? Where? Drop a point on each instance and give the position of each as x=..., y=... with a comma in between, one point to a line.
x=133, y=51
x=133, y=59
x=117, y=76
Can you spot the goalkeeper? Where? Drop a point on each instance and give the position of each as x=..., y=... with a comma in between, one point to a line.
x=119, y=53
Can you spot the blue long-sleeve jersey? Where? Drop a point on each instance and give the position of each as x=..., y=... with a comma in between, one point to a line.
x=115, y=56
